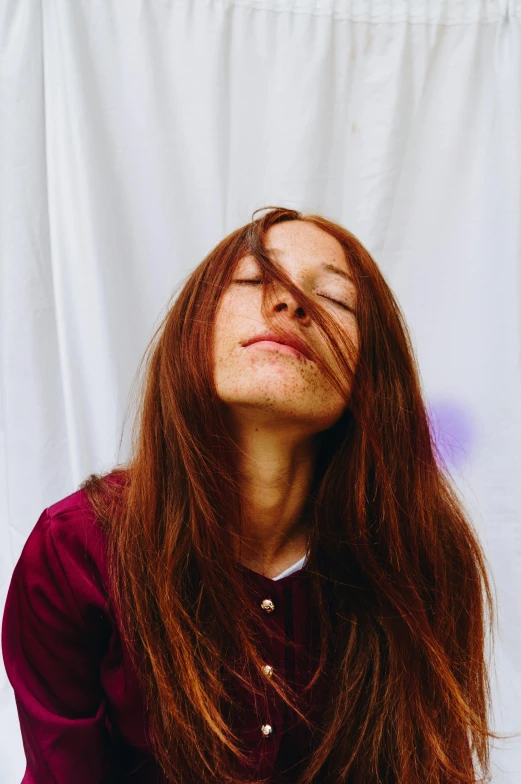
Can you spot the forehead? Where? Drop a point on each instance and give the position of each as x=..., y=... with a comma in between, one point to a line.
x=299, y=242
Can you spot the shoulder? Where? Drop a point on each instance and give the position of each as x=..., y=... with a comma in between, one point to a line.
x=67, y=548
x=72, y=525
x=72, y=528
x=74, y=503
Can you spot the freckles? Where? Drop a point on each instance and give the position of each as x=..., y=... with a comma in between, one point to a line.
x=272, y=377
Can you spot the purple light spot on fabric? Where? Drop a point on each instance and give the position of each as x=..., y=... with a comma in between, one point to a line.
x=453, y=430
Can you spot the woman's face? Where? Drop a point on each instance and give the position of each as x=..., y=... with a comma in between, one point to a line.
x=261, y=382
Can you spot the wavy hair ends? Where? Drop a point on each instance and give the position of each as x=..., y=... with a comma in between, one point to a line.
x=392, y=546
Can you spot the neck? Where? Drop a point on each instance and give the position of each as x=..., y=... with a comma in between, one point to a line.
x=275, y=470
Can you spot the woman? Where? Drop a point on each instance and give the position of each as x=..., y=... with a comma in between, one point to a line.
x=281, y=583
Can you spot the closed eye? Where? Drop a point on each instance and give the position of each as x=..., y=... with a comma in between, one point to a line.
x=326, y=296
x=346, y=307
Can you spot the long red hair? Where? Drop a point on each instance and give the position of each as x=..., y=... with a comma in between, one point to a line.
x=391, y=543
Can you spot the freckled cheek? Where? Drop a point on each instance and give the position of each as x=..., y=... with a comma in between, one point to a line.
x=231, y=322
x=228, y=354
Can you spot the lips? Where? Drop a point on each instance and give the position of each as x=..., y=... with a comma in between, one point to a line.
x=286, y=339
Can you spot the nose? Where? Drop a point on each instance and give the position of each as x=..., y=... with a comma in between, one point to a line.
x=284, y=300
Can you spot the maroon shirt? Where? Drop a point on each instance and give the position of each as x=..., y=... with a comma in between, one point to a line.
x=79, y=703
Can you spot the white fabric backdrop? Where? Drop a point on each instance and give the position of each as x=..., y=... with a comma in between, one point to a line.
x=135, y=135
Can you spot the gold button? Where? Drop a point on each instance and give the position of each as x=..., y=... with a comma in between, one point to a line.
x=267, y=605
x=267, y=670
x=267, y=730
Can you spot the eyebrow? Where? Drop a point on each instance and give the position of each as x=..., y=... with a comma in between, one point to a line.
x=336, y=270
x=332, y=268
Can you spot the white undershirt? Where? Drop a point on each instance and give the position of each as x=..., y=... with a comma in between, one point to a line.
x=295, y=567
